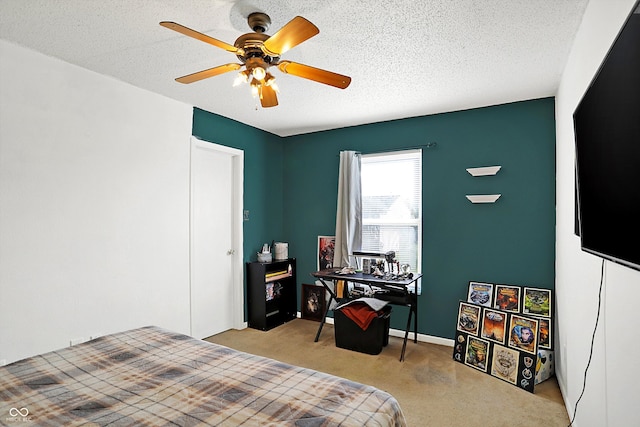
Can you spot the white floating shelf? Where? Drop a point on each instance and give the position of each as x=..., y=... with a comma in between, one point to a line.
x=483, y=198
x=487, y=170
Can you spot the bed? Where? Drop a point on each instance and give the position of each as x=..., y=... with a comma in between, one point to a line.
x=155, y=377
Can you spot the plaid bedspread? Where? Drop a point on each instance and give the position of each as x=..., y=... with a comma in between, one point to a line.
x=153, y=377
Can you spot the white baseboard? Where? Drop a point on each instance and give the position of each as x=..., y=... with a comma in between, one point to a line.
x=422, y=338
x=400, y=334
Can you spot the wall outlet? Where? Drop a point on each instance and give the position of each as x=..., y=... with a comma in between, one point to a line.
x=76, y=341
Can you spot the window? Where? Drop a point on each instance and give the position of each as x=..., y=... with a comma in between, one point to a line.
x=392, y=205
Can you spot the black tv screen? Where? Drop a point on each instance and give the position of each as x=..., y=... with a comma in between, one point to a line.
x=607, y=138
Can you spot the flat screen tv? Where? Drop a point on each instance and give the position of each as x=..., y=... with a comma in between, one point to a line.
x=607, y=138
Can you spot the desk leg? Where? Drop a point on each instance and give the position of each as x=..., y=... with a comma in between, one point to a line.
x=406, y=335
x=323, y=319
x=332, y=297
x=414, y=307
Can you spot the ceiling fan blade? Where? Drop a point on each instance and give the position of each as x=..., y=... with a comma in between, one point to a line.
x=199, y=36
x=315, y=74
x=268, y=97
x=190, y=78
x=292, y=34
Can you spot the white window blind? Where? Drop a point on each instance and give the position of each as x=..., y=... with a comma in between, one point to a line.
x=392, y=205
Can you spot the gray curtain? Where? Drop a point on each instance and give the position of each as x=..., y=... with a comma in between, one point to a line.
x=349, y=211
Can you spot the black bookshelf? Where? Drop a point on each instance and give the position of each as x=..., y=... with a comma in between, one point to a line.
x=271, y=293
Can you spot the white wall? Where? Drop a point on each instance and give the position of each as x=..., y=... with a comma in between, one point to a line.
x=612, y=393
x=94, y=205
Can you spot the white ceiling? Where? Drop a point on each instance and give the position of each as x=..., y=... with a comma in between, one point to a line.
x=406, y=58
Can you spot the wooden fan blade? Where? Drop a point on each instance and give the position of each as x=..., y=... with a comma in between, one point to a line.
x=199, y=36
x=315, y=74
x=190, y=78
x=268, y=97
x=292, y=34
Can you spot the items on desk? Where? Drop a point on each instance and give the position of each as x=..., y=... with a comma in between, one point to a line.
x=346, y=270
x=390, y=257
x=374, y=259
x=392, y=276
x=373, y=266
x=366, y=266
x=378, y=272
x=406, y=269
x=384, y=265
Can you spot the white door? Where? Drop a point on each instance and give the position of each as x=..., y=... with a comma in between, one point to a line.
x=216, y=247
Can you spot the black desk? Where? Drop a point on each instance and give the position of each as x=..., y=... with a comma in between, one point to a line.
x=401, y=292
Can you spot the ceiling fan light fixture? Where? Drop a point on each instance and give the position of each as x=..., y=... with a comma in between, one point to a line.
x=269, y=80
x=255, y=88
x=258, y=73
x=242, y=77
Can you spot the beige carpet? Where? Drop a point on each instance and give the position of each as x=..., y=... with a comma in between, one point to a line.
x=432, y=389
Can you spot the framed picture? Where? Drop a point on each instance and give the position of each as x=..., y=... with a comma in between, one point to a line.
x=494, y=325
x=313, y=305
x=326, y=247
x=468, y=318
x=505, y=364
x=523, y=333
x=477, y=353
x=544, y=338
x=480, y=293
x=537, y=302
x=507, y=298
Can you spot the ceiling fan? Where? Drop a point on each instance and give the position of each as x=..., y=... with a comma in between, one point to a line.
x=258, y=51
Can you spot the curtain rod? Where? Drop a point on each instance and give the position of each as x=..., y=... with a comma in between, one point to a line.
x=427, y=145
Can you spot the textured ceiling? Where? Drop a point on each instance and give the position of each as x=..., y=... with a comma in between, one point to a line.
x=405, y=57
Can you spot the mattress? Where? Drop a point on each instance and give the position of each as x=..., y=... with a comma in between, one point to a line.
x=152, y=376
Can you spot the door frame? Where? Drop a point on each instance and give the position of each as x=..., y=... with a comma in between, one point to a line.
x=237, y=158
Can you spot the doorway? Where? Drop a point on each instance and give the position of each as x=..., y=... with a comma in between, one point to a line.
x=216, y=274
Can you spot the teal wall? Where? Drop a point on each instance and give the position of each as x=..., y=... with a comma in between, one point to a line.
x=511, y=241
